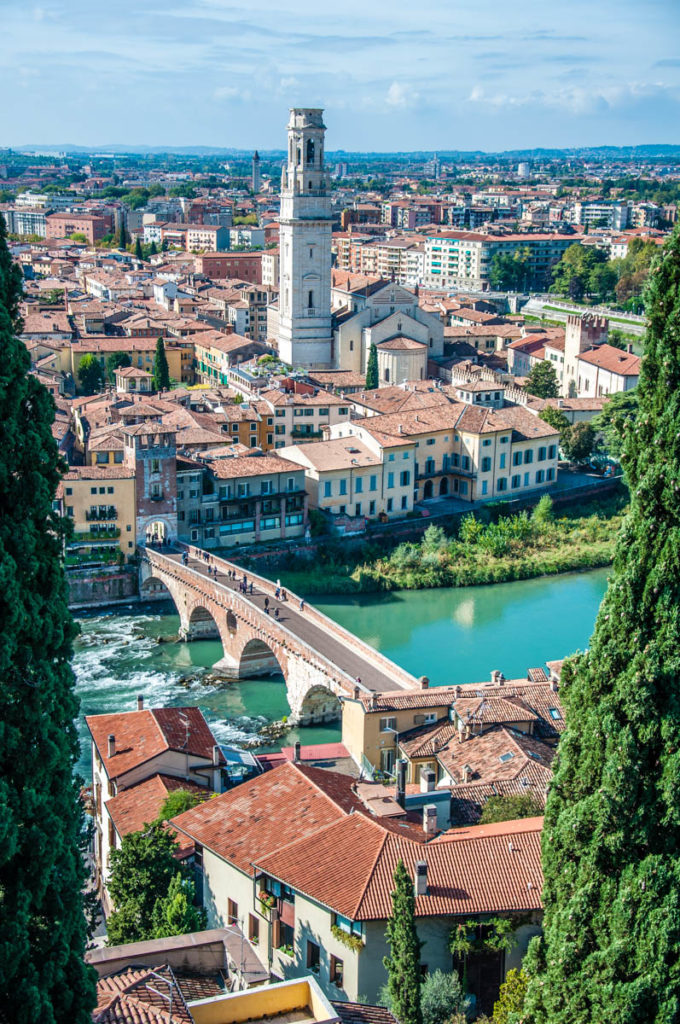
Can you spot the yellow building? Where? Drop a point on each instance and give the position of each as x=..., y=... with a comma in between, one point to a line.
x=142, y=351
x=100, y=501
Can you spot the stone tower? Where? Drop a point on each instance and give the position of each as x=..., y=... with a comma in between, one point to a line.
x=256, y=182
x=581, y=333
x=304, y=311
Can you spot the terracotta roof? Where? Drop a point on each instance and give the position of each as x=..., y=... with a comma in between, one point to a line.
x=362, y=1013
x=139, y=996
x=143, y=735
x=499, y=753
x=402, y=344
x=247, y=466
x=613, y=359
x=138, y=805
x=99, y=472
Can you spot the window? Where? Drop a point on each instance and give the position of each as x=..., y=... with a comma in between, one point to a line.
x=516, y=481
x=243, y=490
x=390, y=504
x=526, y=479
x=485, y=487
x=486, y=464
x=502, y=483
x=373, y=483
x=555, y=713
x=503, y=440
x=430, y=440
x=343, y=486
x=390, y=457
x=539, y=476
x=517, y=458
x=465, y=462
x=390, y=479
x=552, y=451
x=336, y=971
x=388, y=723
x=541, y=455
x=550, y=474
x=406, y=454
x=232, y=912
x=102, y=458
x=528, y=456
x=506, y=757
x=486, y=442
x=327, y=487
x=253, y=928
x=313, y=957
x=155, y=465
x=405, y=478
x=404, y=501
x=371, y=508
x=69, y=490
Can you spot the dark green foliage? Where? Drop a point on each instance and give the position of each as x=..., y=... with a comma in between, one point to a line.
x=11, y=278
x=141, y=873
x=508, y=1007
x=509, y=808
x=573, y=275
x=175, y=914
x=122, y=238
x=555, y=418
x=618, y=414
x=114, y=361
x=372, y=379
x=153, y=250
x=90, y=374
x=578, y=442
x=510, y=271
x=611, y=841
x=442, y=996
x=177, y=802
x=43, y=979
x=403, y=963
x=542, y=380
x=138, y=248
x=161, y=373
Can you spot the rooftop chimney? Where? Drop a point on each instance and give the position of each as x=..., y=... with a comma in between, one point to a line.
x=424, y=683
x=554, y=684
x=430, y=819
x=112, y=745
x=215, y=755
x=427, y=779
x=421, y=878
x=401, y=782
x=356, y=693
x=296, y=751
x=629, y=348
x=467, y=773
x=140, y=702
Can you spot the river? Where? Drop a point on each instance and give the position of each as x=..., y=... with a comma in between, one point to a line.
x=449, y=635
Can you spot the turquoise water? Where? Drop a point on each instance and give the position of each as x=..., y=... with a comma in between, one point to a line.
x=452, y=636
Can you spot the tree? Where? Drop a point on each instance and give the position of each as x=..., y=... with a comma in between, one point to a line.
x=153, y=250
x=175, y=914
x=611, y=839
x=372, y=379
x=90, y=374
x=78, y=236
x=542, y=380
x=618, y=415
x=510, y=1002
x=579, y=442
x=510, y=271
x=161, y=373
x=403, y=963
x=141, y=873
x=442, y=996
x=122, y=237
x=177, y=802
x=114, y=361
x=138, y=248
x=509, y=808
x=555, y=418
x=43, y=977
x=572, y=275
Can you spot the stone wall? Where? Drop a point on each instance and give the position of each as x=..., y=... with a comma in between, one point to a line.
x=92, y=588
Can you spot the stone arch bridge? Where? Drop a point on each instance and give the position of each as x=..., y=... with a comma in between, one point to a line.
x=320, y=661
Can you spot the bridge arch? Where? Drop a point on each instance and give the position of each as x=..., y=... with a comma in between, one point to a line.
x=319, y=704
x=202, y=625
x=258, y=659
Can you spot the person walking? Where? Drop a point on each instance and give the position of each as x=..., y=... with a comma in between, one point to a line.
x=277, y=593
x=266, y=604
x=276, y=613
x=302, y=604
x=251, y=586
x=284, y=595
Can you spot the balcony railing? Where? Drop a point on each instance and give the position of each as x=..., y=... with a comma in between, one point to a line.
x=102, y=513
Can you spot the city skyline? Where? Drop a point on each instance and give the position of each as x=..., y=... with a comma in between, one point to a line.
x=213, y=74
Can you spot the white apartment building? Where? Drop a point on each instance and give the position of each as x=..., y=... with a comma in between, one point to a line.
x=463, y=259
x=302, y=418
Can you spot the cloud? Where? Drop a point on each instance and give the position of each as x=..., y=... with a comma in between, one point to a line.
x=576, y=100
x=400, y=97
x=231, y=92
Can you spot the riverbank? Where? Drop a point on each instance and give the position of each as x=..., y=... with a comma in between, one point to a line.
x=487, y=549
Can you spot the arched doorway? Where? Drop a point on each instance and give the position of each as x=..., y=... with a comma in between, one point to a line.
x=427, y=490
x=257, y=659
x=444, y=485
x=319, y=705
x=156, y=533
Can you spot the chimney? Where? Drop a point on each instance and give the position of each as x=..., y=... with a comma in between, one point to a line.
x=374, y=701
x=421, y=878
x=629, y=349
x=112, y=745
x=430, y=819
x=554, y=684
x=457, y=692
x=401, y=782
x=296, y=752
x=356, y=693
x=217, y=773
x=496, y=676
x=467, y=773
x=426, y=780
x=140, y=701
x=560, y=403
x=424, y=683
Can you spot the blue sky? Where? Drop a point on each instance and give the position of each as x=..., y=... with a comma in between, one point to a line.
x=391, y=74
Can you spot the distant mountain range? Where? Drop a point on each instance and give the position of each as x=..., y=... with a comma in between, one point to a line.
x=650, y=151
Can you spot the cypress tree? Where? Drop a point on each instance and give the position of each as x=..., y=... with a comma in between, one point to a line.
x=161, y=373
x=43, y=979
x=138, y=249
x=10, y=277
x=372, y=379
x=403, y=963
x=611, y=839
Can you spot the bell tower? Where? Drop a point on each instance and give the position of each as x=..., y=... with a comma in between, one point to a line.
x=304, y=312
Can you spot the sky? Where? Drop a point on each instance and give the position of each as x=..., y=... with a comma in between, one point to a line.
x=391, y=74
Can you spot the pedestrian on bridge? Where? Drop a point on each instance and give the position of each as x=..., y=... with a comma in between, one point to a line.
x=277, y=593
x=276, y=613
x=266, y=604
x=284, y=595
x=251, y=586
x=302, y=604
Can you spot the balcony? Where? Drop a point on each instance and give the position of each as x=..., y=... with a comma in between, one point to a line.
x=95, y=536
x=299, y=433
x=104, y=512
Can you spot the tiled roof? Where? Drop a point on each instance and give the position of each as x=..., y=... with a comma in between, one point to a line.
x=492, y=710
x=135, y=807
x=139, y=996
x=613, y=359
x=499, y=753
x=248, y=466
x=426, y=740
x=402, y=344
x=467, y=801
x=362, y=1013
x=142, y=735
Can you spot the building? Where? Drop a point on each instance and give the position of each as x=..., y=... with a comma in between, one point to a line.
x=216, y=352
x=463, y=259
x=63, y=225
x=302, y=859
x=302, y=321
x=592, y=367
x=270, y=269
x=138, y=757
x=244, y=266
x=100, y=502
x=299, y=418
x=227, y=499
x=150, y=451
x=206, y=238
x=255, y=173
